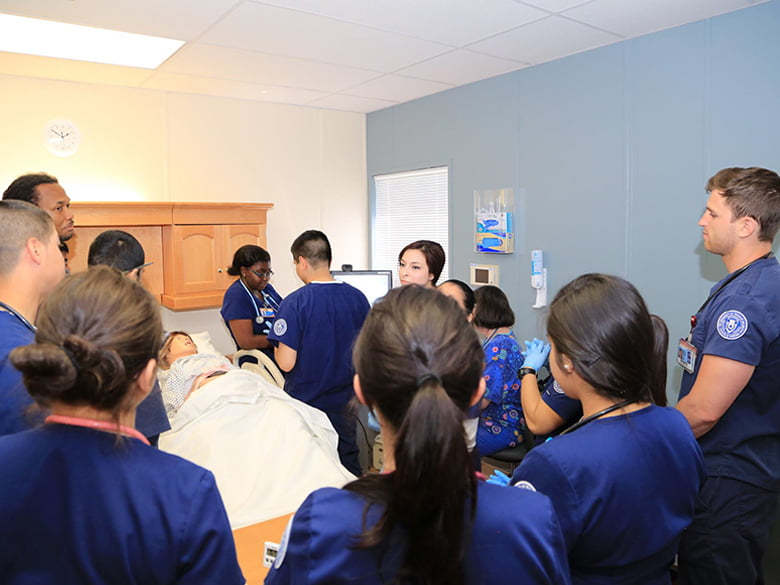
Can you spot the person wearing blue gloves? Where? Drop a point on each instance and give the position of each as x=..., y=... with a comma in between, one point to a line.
x=624, y=479
x=427, y=518
x=548, y=411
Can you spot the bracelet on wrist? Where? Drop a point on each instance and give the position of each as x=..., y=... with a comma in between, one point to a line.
x=524, y=371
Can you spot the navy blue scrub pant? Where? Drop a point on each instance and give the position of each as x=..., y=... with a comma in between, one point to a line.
x=725, y=544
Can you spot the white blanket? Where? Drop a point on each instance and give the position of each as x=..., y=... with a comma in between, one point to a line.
x=267, y=450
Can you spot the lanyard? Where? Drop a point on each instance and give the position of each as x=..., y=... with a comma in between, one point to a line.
x=726, y=282
x=19, y=316
x=102, y=425
x=582, y=422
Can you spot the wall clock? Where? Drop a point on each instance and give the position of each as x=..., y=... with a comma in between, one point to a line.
x=62, y=138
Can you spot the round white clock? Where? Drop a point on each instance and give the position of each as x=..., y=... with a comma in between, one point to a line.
x=62, y=137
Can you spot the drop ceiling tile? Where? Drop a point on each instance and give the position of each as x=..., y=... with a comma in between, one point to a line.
x=178, y=19
x=452, y=22
x=351, y=103
x=630, y=19
x=554, y=6
x=252, y=67
x=226, y=88
x=460, y=66
x=289, y=33
x=544, y=40
x=397, y=88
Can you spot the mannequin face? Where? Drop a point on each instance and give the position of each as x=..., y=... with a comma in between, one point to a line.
x=180, y=346
x=413, y=269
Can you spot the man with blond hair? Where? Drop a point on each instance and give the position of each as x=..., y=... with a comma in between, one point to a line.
x=31, y=265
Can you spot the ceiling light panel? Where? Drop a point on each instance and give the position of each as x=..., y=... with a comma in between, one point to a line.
x=31, y=36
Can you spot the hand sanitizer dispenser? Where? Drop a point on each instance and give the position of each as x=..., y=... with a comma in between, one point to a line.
x=539, y=278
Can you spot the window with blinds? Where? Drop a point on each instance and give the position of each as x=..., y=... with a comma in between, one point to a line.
x=409, y=206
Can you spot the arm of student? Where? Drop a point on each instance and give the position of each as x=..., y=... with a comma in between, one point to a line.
x=244, y=334
x=285, y=357
x=539, y=417
x=718, y=383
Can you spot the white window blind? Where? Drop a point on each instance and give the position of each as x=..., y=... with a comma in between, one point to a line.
x=409, y=206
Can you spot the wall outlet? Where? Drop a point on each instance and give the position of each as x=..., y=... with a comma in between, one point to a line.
x=270, y=550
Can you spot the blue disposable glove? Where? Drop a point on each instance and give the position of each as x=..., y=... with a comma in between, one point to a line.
x=373, y=424
x=498, y=478
x=535, y=353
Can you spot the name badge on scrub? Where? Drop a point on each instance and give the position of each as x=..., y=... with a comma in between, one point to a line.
x=267, y=313
x=686, y=355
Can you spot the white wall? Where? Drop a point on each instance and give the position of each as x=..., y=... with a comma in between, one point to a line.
x=149, y=145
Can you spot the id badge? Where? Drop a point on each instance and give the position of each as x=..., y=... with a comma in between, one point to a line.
x=686, y=355
x=267, y=313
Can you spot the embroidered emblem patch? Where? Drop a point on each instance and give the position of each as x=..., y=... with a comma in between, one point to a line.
x=557, y=387
x=280, y=327
x=732, y=325
x=525, y=485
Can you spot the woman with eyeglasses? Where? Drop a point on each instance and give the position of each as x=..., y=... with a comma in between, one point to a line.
x=250, y=304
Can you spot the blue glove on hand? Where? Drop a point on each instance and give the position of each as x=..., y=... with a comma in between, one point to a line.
x=498, y=478
x=535, y=353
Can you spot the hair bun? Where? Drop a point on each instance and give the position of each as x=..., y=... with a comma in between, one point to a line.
x=46, y=369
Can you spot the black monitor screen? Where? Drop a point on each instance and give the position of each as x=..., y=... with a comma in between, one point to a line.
x=372, y=283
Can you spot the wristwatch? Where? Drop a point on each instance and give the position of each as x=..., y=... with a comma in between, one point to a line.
x=526, y=370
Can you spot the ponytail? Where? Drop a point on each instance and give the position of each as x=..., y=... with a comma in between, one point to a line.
x=660, y=345
x=431, y=496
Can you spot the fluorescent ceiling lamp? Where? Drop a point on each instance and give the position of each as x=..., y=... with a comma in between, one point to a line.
x=46, y=38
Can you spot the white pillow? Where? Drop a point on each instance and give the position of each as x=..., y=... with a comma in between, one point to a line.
x=203, y=342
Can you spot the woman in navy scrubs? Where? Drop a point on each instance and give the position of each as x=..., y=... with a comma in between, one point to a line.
x=426, y=519
x=250, y=304
x=624, y=479
x=84, y=498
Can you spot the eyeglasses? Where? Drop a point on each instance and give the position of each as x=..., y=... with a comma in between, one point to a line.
x=268, y=274
x=139, y=269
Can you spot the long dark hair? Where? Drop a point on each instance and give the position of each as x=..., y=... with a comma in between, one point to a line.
x=419, y=363
x=602, y=324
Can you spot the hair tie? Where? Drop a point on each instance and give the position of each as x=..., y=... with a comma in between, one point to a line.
x=428, y=377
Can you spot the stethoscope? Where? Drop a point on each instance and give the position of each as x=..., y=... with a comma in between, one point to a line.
x=583, y=421
x=19, y=316
x=258, y=319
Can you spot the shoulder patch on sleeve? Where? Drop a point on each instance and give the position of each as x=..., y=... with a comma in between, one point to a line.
x=557, y=387
x=732, y=325
x=280, y=327
x=525, y=485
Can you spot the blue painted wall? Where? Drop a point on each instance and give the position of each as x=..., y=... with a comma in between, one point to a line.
x=609, y=152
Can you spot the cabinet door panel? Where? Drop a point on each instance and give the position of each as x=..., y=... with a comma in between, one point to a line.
x=232, y=238
x=191, y=258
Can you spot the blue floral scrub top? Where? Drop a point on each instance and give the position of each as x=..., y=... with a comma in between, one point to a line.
x=503, y=418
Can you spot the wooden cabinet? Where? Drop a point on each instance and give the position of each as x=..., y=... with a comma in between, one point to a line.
x=191, y=244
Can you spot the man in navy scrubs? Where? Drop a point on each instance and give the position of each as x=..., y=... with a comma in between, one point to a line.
x=730, y=391
x=313, y=332
x=31, y=265
x=125, y=253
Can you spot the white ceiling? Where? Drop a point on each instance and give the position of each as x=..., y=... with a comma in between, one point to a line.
x=353, y=55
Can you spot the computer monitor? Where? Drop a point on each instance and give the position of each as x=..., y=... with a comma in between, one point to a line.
x=372, y=283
